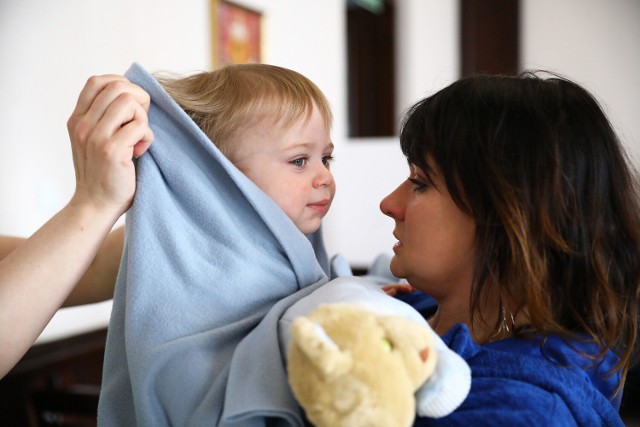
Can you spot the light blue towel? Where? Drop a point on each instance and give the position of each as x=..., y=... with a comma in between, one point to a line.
x=207, y=256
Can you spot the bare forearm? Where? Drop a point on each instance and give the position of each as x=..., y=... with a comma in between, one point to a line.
x=39, y=274
x=8, y=244
x=98, y=283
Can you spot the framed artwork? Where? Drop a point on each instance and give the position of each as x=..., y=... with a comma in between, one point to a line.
x=236, y=33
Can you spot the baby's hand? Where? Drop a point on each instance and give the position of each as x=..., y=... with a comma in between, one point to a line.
x=392, y=289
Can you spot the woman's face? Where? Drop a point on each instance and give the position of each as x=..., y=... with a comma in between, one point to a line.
x=435, y=247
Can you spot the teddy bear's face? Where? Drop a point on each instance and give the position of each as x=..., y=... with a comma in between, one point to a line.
x=348, y=366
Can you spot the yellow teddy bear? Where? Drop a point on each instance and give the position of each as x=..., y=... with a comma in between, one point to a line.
x=365, y=374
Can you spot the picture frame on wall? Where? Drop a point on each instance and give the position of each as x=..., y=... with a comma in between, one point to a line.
x=236, y=33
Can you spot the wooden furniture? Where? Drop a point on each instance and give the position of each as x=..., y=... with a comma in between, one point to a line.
x=55, y=383
x=58, y=383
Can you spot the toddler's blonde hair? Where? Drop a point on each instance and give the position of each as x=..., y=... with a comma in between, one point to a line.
x=234, y=97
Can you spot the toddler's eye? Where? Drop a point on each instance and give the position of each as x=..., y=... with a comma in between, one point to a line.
x=326, y=160
x=299, y=162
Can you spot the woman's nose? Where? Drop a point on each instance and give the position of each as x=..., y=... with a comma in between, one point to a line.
x=393, y=205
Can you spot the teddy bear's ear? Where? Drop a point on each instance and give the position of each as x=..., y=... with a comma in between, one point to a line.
x=318, y=347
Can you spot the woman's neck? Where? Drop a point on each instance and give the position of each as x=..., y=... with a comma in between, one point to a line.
x=482, y=330
x=445, y=317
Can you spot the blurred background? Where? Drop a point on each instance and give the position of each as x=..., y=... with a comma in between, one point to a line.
x=372, y=58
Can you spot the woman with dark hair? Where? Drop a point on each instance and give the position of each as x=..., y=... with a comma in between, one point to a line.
x=520, y=218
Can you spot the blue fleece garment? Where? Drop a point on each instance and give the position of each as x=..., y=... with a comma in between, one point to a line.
x=515, y=384
x=210, y=262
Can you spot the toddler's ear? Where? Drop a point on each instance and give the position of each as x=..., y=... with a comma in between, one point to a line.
x=321, y=351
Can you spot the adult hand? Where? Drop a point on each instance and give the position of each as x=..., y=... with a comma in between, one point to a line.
x=108, y=128
x=393, y=289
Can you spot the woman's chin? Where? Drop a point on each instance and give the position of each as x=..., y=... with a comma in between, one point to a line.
x=395, y=268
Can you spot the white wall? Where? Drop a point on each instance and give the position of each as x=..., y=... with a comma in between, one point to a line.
x=368, y=169
x=49, y=48
x=595, y=43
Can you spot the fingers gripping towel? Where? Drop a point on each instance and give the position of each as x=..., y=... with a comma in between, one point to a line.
x=207, y=256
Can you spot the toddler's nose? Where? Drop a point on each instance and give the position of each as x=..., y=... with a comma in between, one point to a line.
x=323, y=176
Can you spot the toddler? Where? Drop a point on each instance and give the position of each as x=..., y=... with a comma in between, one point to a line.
x=274, y=125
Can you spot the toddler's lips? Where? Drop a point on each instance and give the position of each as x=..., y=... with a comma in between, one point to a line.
x=322, y=206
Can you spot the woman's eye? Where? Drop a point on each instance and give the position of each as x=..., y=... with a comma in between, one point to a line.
x=326, y=160
x=418, y=185
x=299, y=162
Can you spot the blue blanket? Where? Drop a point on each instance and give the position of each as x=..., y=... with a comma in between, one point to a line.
x=207, y=256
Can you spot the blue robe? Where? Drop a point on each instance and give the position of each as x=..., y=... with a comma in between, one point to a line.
x=517, y=383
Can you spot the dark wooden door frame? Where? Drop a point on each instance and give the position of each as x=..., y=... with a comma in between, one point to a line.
x=490, y=36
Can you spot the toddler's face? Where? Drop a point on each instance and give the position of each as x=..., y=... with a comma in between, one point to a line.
x=291, y=165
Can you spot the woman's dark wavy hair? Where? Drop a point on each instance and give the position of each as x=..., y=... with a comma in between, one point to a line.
x=536, y=163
